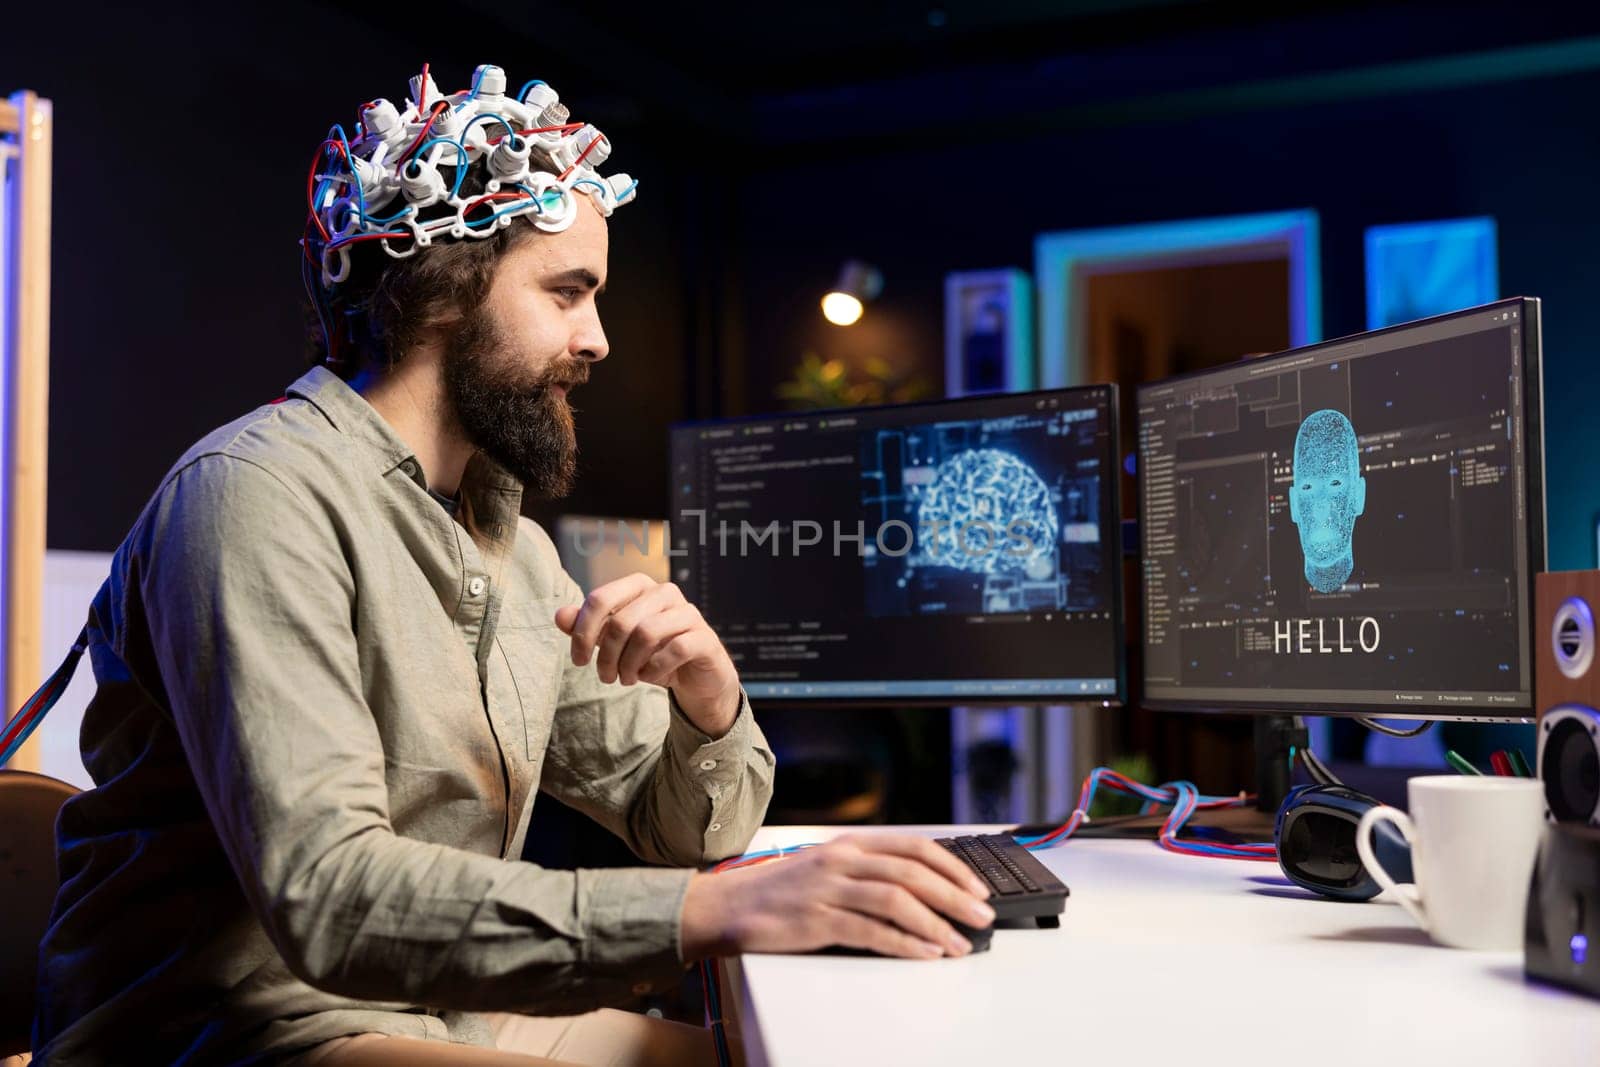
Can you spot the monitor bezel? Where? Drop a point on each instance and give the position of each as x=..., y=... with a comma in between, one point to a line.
x=1118, y=608
x=1534, y=478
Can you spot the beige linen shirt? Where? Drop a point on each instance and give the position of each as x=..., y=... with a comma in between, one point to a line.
x=324, y=708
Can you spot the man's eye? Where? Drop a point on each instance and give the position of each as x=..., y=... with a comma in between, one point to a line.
x=1336, y=481
x=569, y=293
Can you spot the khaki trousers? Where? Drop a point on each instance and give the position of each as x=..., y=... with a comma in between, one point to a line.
x=604, y=1038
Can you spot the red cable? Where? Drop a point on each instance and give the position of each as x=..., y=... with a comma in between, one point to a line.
x=438, y=108
x=311, y=180
x=422, y=94
x=539, y=129
x=34, y=710
x=311, y=205
x=576, y=163
x=1502, y=765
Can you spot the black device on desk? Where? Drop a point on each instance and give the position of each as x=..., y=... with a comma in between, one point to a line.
x=1020, y=887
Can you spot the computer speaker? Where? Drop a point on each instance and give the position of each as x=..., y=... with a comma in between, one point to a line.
x=1567, y=687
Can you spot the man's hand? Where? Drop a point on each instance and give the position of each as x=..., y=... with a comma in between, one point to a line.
x=885, y=892
x=645, y=631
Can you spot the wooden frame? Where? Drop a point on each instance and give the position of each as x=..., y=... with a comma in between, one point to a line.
x=26, y=130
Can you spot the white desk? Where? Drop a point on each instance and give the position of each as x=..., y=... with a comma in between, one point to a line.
x=1163, y=959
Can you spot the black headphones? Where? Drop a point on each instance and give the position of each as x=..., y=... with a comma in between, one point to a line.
x=1316, y=837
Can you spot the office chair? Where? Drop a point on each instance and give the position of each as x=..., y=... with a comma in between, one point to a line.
x=28, y=881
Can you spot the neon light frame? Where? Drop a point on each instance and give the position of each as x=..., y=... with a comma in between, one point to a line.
x=1063, y=359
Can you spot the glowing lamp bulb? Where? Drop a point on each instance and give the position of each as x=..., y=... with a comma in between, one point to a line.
x=841, y=309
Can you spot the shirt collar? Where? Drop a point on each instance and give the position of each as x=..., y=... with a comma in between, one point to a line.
x=353, y=416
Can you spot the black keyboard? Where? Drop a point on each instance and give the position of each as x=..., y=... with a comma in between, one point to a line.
x=1020, y=887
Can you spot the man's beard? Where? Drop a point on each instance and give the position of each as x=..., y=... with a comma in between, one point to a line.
x=510, y=413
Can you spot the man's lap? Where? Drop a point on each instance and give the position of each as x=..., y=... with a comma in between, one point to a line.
x=604, y=1038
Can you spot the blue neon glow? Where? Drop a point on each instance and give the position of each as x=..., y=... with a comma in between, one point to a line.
x=1580, y=948
x=8, y=298
x=1417, y=269
x=1058, y=257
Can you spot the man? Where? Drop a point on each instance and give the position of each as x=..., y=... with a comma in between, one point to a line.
x=335, y=665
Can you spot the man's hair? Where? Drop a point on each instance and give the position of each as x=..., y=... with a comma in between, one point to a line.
x=379, y=312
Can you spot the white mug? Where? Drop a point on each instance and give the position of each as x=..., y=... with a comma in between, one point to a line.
x=1473, y=841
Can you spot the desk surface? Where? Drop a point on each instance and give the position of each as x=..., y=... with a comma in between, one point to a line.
x=1164, y=959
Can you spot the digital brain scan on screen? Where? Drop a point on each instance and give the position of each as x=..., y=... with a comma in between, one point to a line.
x=959, y=551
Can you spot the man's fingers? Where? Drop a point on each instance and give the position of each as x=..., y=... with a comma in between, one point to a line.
x=620, y=627
x=675, y=653
x=898, y=905
x=598, y=606
x=651, y=637
x=852, y=930
x=948, y=898
x=924, y=850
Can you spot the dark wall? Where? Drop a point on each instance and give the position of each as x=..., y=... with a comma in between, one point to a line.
x=183, y=134
x=182, y=139
x=1524, y=151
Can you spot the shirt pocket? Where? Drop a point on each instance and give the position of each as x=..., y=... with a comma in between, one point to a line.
x=534, y=650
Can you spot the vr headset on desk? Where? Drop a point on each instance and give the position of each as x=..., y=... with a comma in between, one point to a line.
x=1316, y=837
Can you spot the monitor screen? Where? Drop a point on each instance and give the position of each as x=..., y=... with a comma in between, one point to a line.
x=1353, y=526
x=960, y=551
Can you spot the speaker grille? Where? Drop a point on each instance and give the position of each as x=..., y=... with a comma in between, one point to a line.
x=1569, y=763
x=1572, y=637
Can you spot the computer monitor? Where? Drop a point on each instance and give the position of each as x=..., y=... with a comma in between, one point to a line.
x=1350, y=527
x=964, y=551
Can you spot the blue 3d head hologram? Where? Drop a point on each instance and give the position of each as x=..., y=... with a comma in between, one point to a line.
x=1327, y=496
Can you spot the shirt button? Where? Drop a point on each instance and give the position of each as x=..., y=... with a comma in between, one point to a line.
x=476, y=586
x=707, y=764
x=409, y=468
x=715, y=826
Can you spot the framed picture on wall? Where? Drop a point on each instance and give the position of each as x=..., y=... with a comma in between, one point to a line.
x=988, y=333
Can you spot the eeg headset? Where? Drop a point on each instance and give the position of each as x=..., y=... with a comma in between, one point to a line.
x=399, y=182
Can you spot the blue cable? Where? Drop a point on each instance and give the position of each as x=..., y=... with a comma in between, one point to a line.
x=501, y=119
x=474, y=224
x=58, y=680
x=350, y=166
x=402, y=213
x=524, y=90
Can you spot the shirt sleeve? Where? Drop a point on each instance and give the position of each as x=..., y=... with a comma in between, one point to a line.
x=629, y=758
x=250, y=597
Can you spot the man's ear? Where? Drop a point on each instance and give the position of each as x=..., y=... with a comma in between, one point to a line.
x=1360, y=495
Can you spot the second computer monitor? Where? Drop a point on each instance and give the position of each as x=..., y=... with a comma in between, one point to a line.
x=964, y=551
x=1349, y=527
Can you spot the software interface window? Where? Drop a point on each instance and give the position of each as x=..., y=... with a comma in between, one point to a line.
x=953, y=549
x=1348, y=522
